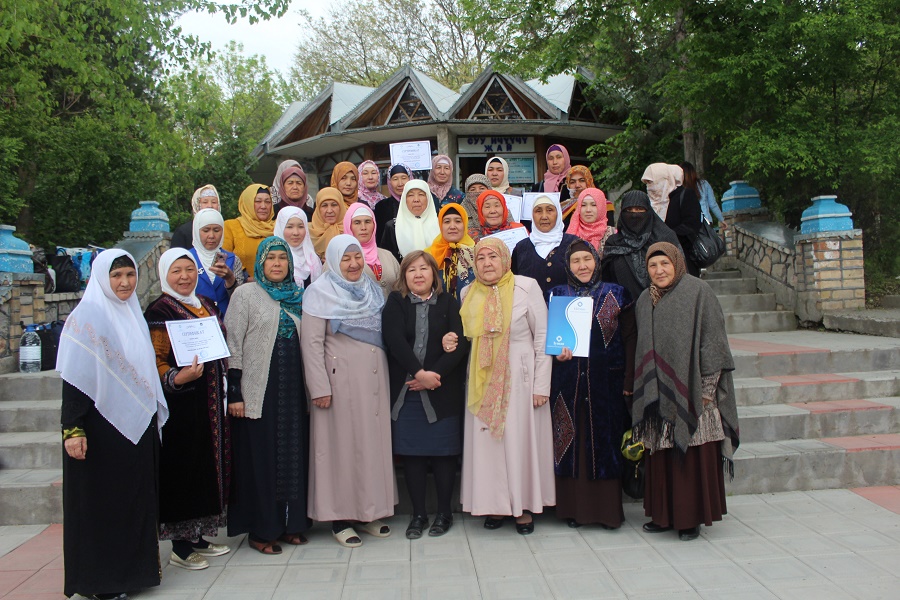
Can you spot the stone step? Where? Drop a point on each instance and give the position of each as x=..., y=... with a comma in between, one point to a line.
x=785, y=389
x=739, y=303
x=760, y=322
x=832, y=418
x=730, y=287
x=30, y=496
x=46, y=385
x=814, y=361
x=29, y=415
x=816, y=464
x=31, y=450
x=729, y=274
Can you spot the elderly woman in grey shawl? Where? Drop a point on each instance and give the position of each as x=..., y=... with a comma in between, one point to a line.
x=683, y=408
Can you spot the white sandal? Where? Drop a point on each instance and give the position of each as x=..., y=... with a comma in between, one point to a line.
x=346, y=534
x=374, y=528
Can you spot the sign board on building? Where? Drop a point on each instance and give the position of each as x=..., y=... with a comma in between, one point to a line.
x=490, y=144
x=522, y=169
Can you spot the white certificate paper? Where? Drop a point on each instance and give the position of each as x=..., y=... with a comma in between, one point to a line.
x=514, y=204
x=415, y=155
x=569, y=320
x=511, y=237
x=528, y=199
x=197, y=337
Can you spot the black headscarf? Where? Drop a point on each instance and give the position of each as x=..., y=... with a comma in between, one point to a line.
x=583, y=289
x=637, y=232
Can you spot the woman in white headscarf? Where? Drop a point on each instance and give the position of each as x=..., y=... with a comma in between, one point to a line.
x=660, y=182
x=497, y=172
x=292, y=226
x=542, y=256
x=195, y=457
x=112, y=399
x=346, y=369
x=204, y=197
x=220, y=271
x=416, y=224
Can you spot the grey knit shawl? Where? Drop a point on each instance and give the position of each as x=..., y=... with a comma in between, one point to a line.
x=679, y=341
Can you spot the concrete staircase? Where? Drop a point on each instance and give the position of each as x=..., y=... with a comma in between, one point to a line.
x=817, y=411
x=746, y=309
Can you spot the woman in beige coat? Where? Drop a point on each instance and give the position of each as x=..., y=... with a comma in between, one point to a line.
x=351, y=471
x=508, y=442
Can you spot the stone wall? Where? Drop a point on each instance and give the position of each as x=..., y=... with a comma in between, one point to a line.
x=833, y=276
x=773, y=264
x=59, y=306
x=146, y=248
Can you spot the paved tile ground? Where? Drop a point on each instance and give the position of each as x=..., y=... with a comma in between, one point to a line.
x=818, y=545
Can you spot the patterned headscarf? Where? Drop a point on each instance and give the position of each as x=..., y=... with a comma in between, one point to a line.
x=341, y=169
x=487, y=315
x=369, y=196
x=440, y=190
x=205, y=191
x=286, y=292
x=470, y=203
x=568, y=205
x=583, y=289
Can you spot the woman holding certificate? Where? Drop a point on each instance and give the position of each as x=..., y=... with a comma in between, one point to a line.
x=543, y=255
x=351, y=470
x=683, y=408
x=195, y=457
x=112, y=412
x=493, y=215
x=508, y=441
x=267, y=402
x=586, y=398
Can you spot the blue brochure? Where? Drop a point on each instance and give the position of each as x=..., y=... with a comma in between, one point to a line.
x=569, y=325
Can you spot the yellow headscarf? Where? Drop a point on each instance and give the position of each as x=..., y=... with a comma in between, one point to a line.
x=486, y=316
x=322, y=232
x=252, y=226
x=440, y=248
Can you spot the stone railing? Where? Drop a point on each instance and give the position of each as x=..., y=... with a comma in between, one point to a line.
x=22, y=298
x=814, y=271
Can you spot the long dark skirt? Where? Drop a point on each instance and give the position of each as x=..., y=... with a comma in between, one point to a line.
x=110, y=502
x=685, y=491
x=271, y=454
x=588, y=500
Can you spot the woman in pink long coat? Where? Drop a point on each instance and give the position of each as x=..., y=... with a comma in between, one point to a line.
x=508, y=448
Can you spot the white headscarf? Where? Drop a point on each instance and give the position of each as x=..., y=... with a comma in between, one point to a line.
x=660, y=182
x=105, y=351
x=207, y=216
x=306, y=264
x=334, y=297
x=677, y=174
x=416, y=233
x=544, y=243
x=165, y=263
x=203, y=192
x=504, y=185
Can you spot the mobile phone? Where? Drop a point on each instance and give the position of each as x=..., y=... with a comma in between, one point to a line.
x=220, y=257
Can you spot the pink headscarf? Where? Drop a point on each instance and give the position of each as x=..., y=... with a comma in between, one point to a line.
x=370, y=249
x=592, y=233
x=373, y=196
x=551, y=181
x=440, y=190
x=285, y=175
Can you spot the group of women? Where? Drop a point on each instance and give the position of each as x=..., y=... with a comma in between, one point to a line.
x=350, y=345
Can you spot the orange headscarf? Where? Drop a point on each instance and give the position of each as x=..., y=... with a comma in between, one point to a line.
x=507, y=223
x=440, y=248
x=321, y=231
x=341, y=169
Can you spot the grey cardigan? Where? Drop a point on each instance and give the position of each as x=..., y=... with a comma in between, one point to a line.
x=252, y=324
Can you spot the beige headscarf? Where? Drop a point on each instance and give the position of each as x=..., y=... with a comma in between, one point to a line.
x=201, y=192
x=660, y=182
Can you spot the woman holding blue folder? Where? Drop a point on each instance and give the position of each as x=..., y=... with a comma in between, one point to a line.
x=587, y=398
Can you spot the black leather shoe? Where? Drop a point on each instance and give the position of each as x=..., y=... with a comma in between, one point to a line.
x=492, y=523
x=573, y=523
x=442, y=524
x=416, y=525
x=525, y=528
x=686, y=535
x=652, y=527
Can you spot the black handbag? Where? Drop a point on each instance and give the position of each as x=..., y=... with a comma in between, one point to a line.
x=67, y=276
x=706, y=246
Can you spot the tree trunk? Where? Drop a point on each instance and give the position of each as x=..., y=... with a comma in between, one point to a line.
x=694, y=141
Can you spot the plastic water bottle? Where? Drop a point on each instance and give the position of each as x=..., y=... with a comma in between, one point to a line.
x=30, y=351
